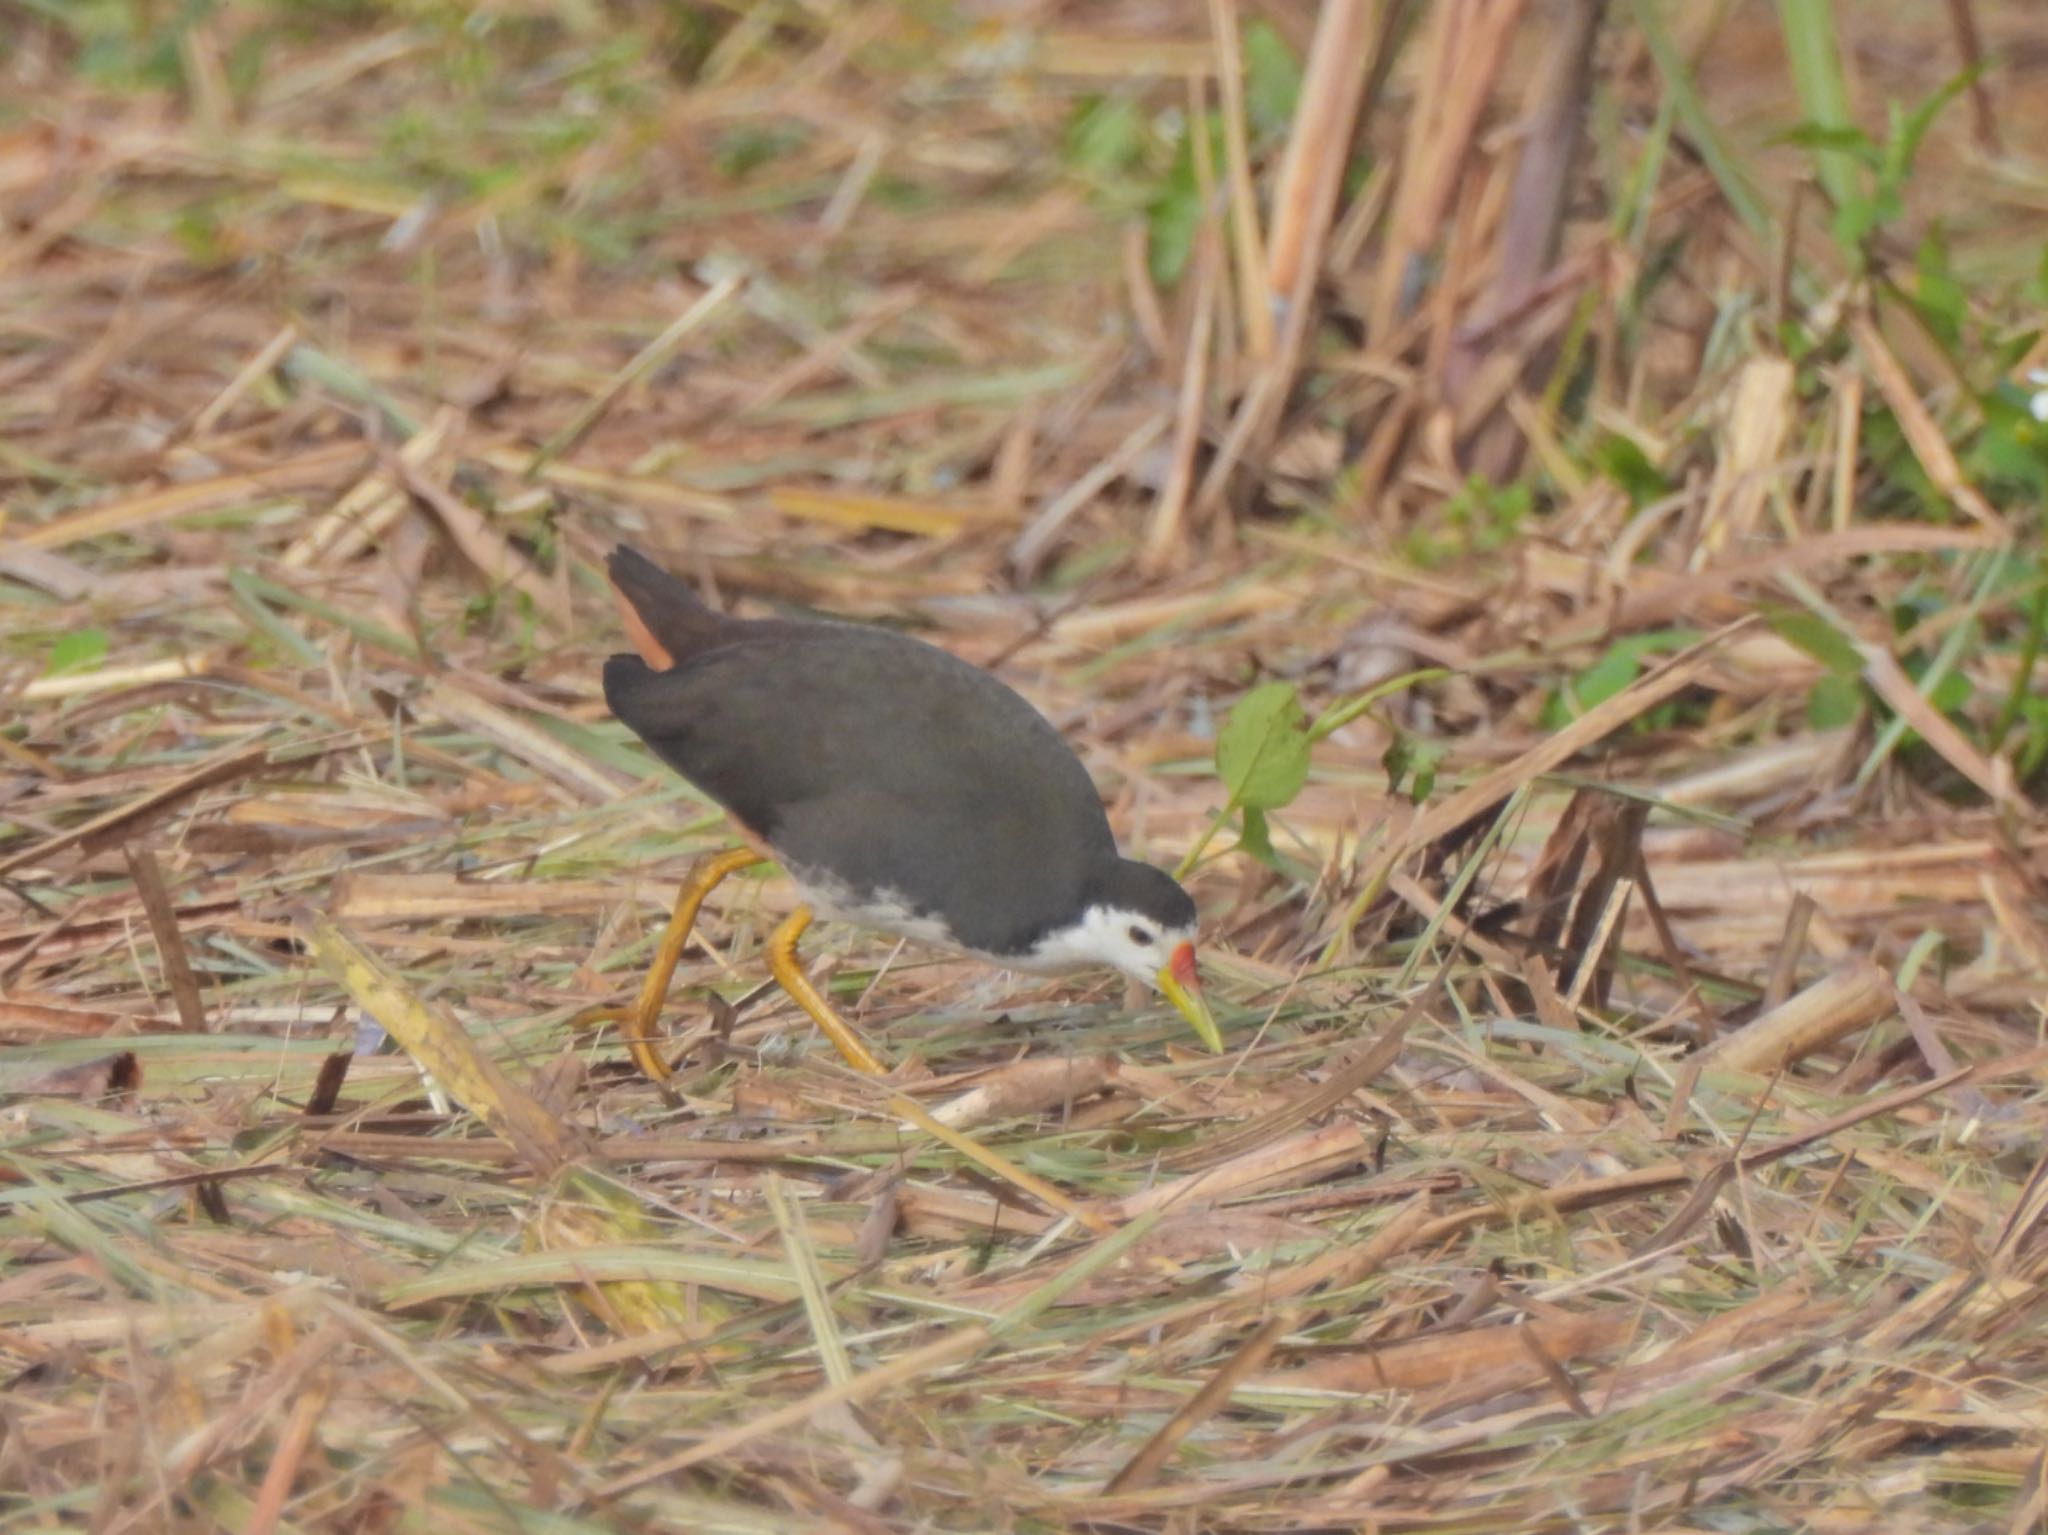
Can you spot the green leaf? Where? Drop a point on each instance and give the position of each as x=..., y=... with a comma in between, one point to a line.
x=1819, y=639
x=1272, y=78
x=1903, y=143
x=1407, y=756
x=79, y=651
x=1623, y=662
x=1607, y=676
x=1489, y=515
x=1813, y=52
x=1396, y=758
x=1835, y=701
x=1853, y=223
x=1105, y=138
x=2012, y=448
x=1616, y=668
x=1174, y=216
x=1623, y=461
x=1853, y=142
x=2036, y=290
x=1170, y=226
x=1951, y=692
x=1262, y=751
x=1428, y=757
x=1257, y=838
x=1941, y=299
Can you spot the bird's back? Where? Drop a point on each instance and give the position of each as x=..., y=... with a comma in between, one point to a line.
x=870, y=757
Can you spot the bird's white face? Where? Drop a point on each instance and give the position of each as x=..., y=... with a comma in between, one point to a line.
x=1163, y=958
x=1138, y=946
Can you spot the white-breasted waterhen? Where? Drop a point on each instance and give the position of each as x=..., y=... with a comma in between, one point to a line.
x=901, y=787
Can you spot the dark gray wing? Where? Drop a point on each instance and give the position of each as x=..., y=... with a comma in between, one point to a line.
x=887, y=762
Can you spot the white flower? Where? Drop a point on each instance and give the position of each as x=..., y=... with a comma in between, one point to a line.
x=2038, y=405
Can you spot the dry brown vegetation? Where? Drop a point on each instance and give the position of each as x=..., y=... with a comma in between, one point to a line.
x=1636, y=1087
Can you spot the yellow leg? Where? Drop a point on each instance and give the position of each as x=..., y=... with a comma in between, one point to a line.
x=782, y=964
x=637, y=1021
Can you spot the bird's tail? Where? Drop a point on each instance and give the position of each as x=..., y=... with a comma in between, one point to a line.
x=665, y=619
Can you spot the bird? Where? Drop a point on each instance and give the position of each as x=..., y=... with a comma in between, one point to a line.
x=902, y=788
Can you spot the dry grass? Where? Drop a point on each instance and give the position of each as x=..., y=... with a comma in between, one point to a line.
x=1641, y=1132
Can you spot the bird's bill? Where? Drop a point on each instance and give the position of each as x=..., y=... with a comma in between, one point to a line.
x=1181, y=986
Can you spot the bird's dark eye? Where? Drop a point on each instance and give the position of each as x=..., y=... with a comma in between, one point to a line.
x=1140, y=936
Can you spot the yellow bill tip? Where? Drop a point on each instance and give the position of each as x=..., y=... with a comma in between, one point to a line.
x=1181, y=986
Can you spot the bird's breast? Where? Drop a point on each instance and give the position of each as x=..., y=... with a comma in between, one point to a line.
x=883, y=910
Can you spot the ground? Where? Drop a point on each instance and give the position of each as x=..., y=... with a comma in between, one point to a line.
x=1535, y=506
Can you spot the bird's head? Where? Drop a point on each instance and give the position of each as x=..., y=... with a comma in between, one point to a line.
x=1139, y=921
